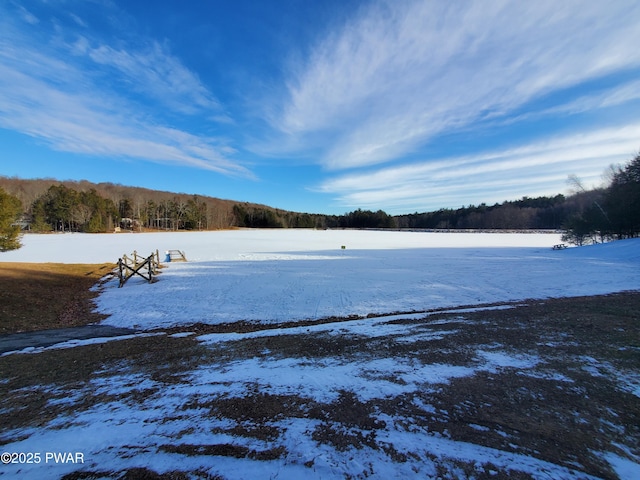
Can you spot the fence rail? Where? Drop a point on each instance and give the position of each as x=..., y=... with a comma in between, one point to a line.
x=145, y=267
x=176, y=256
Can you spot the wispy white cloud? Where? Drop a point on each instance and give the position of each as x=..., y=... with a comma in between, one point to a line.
x=534, y=169
x=375, y=90
x=403, y=72
x=78, y=20
x=78, y=123
x=28, y=16
x=47, y=91
x=155, y=73
x=617, y=95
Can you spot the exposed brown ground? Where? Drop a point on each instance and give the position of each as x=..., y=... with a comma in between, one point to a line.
x=39, y=296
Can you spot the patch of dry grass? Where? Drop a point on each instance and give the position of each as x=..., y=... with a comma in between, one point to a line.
x=40, y=296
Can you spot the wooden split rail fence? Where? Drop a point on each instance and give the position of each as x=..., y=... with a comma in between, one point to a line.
x=145, y=267
x=175, y=256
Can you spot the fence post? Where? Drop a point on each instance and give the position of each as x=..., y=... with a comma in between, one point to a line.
x=150, y=267
x=120, y=273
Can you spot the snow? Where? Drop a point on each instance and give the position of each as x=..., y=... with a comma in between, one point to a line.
x=289, y=275
x=267, y=276
x=120, y=430
x=623, y=467
x=251, y=244
x=78, y=343
x=273, y=276
x=117, y=429
x=502, y=359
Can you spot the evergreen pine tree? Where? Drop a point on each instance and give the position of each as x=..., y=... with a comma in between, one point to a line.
x=10, y=210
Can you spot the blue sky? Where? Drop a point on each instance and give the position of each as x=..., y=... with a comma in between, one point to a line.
x=322, y=106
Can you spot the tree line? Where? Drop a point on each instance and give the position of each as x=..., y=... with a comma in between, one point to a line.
x=613, y=213
x=586, y=216
x=524, y=214
x=264, y=217
x=82, y=206
x=52, y=205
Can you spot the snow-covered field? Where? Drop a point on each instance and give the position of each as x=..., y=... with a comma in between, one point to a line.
x=129, y=416
x=284, y=275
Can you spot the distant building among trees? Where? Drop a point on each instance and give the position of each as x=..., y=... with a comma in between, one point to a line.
x=49, y=205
